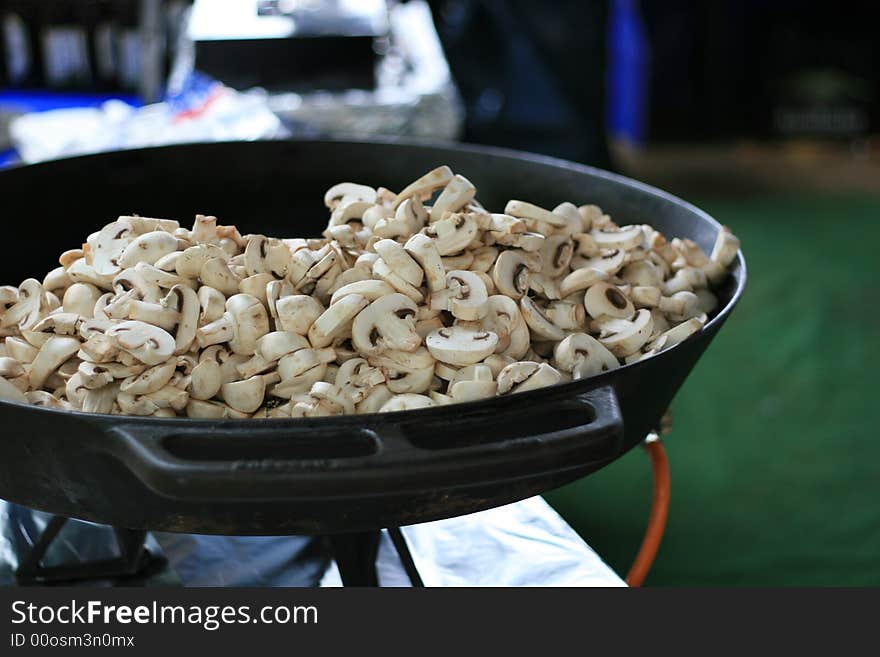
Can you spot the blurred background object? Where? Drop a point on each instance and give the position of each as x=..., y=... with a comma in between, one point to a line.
x=766, y=113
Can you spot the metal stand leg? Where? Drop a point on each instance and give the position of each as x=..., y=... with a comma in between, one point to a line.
x=355, y=556
x=133, y=558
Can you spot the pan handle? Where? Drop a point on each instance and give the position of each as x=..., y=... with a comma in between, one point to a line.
x=384, y=454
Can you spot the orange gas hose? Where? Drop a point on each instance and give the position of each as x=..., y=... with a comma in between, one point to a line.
x=659, y=511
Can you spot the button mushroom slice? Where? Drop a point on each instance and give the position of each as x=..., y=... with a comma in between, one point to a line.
x=81, y=298
x=532, y=213
x=574, y=223
x=505, y=320
x=333, y=395
x=609, y=261
x=81, y=272
x=706, y=301
x=93, y=375
x=139, y=286
x=484, y=259
x=55, y=351
x=453, y=233
x=643, y=273
x=110, y=242
x=624, y=238
x=387, y=323
x=528, y=242
x=336, y=320
x=368, y=289
x=57, y=281
x=59, y=324
x=512, y=271
x=100, y=400
x=244, y=396
x=191, y=260
x=11, y=368
x=206, y=410
x=151, y=380
x=497, y=362
x=205, y=380
x=471, y=383
x=406, y=402
x=168, y=262
x=525, y=376
x=217, y=274
x=212, y=305
x=263, y=255
x=457, y=193
x=149, y=344
x=271, y=348
x=20, y=349
x=244, y=322
x=725, y=248
x=387, y=274
x=686, y=279
x=8, y=392
x=425, y=185
x=566, y=315
x=544, y=286
x=406, y=371
x=680, y=306
x=539, y=324
x=465, y=296
x=299, y=371
x=645, y=296
x=147, y=248
x=583, y=356
x=346, y=192
x=399, y=260
x=297, y=313
x=623, y=337
x=374, y=400
x=46, y=400
x=325, y=266
x=357, y=378
x=157, y=314
x=461, y=260
x=409, y=218
x=461, y=345
x=604, y=299
x=676, y=335
x=29, y=307
x=556, y=254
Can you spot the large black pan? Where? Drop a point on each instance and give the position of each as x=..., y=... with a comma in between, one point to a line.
x=325, y=475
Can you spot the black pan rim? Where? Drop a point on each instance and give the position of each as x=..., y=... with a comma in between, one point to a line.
x=564, y=389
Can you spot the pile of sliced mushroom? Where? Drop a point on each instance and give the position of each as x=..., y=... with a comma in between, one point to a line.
x=410, y=300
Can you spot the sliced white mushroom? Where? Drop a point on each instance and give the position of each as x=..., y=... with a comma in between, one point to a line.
x=604, y=299
x=244, y=396
x=556, y=254
x=461, y=345
x=539, y=324
x=149, y=344
x=525, y=376
x=297, y=313
x=336, y=320
x=512, y=271
x=341, y=193
x=533, y=213
x=453, y=233
x=425, y=185
x=581, y=279
x=151, y=380
x=244, y=322
x=148, y=248
x=368, y=289
x=583, y=356
x=625, y=238
x=726, y=247
x=406, y=402
x=623, y=337
x=387, y=323
x=458, y=193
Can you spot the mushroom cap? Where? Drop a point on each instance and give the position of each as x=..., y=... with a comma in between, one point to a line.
x=460, y=345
